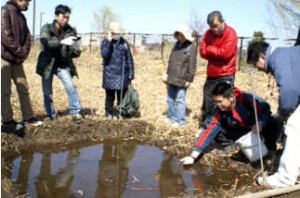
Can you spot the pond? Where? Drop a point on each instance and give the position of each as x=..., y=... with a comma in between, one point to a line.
x=123, y=169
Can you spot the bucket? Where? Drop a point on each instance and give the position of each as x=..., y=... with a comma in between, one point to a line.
x=250, y=146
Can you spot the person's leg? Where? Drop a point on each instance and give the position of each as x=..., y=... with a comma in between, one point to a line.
x=6, y=75
x=288, y=169
x=47, y=92
x=109, y=102
x=271, y=132
x=119, y=95
x=65, y=76
x=172, y=92
x=181, y=106
x=20, y=81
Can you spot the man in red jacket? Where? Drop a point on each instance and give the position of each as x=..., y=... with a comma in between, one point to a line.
x=15, y=47
x=219, y=48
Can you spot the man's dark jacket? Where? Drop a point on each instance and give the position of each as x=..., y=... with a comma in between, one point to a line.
x=52, y=49
x=15, y=35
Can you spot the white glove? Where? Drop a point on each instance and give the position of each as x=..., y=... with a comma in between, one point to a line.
x=165, y=78
x=188, y=160
x=68, y=41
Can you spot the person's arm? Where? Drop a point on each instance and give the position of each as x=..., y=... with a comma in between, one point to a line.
x=288, y=98
x=130, y=62
x=203, y=47
x=106, y=49
x=49, y=43
x=212, y=127
x=226, y=50
x=192, y=64
x=8, y=40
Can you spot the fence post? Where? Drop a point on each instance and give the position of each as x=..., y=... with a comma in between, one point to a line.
x=91, y=39
x=240, y=52
x=162, y=46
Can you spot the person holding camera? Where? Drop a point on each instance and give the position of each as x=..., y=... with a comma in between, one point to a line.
x=118, y=68
x=59, y=47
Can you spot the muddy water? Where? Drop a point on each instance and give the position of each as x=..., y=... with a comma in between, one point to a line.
x=121, y=169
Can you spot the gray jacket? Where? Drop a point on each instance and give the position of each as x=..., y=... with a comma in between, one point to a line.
x=182, y=64
x=284, y=64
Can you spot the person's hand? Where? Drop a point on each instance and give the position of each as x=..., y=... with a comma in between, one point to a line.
x=164, y=78
x=68, y=41
x=187, y=84
x=254, y=127
x=109, y=36
x=188, y=160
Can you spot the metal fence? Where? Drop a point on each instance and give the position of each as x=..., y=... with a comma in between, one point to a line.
x=163, y=43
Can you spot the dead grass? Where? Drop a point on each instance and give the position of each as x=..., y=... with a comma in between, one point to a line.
x=153, y=107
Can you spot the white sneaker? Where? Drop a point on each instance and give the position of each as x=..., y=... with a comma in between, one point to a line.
x=168, y=121
x=272, y=181
x=176, y=125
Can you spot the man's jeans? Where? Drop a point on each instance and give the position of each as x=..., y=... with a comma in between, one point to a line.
x=176, y=104
x=65, y=77
x=16, y=73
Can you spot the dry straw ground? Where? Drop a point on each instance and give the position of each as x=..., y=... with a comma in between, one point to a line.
x=149, y=127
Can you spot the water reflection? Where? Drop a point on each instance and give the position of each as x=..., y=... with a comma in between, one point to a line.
x=57, y=185
x=170, y=180
x=106, y=170
x=113, y=169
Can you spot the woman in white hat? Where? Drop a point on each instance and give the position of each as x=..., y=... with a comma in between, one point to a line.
x=181, y=72
x=118, y=67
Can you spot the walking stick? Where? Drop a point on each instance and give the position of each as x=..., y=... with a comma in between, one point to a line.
x=122, y=84
x=264, y=174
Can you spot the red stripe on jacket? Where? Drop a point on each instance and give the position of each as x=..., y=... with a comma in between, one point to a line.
x=205, y=134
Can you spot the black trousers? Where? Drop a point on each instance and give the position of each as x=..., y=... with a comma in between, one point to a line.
x=209, y=85
x=270, y=132
x=110, y=99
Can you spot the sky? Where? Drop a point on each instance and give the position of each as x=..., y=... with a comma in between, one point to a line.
x=160, y=16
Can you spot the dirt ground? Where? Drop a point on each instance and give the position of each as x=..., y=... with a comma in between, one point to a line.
x=149, y=128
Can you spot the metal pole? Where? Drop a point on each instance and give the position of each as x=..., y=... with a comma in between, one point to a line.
x=162, y=47
x=240, y=52
x=33, y=23
x=41, y=21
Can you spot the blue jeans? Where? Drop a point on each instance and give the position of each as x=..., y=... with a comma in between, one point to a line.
x=176, y=104
x=65, y=77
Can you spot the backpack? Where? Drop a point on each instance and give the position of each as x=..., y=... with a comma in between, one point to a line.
x=130, y=103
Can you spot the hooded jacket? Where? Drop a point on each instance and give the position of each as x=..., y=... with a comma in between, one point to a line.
x=220, y=51
x=182, y=64
x=15, y=35
x=118, y=66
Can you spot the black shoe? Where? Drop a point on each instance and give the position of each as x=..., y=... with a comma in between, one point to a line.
x=13, y=127
x=33, y=121
x=109, y=116
x=78, y=119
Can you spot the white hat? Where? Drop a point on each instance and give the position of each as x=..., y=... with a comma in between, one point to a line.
x=185, y=30
x=114, y=27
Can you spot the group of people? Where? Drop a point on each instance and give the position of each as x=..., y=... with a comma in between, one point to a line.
x=60, y=45
x=227, y=112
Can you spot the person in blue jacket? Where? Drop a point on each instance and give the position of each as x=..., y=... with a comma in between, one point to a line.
x=284, y=64
x=118, y=67
x=232, y=117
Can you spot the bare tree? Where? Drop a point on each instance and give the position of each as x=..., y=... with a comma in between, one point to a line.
x=102, y=18
x=196, y=23
x=288, y=15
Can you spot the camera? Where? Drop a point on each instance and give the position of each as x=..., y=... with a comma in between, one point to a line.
x=77, y=38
